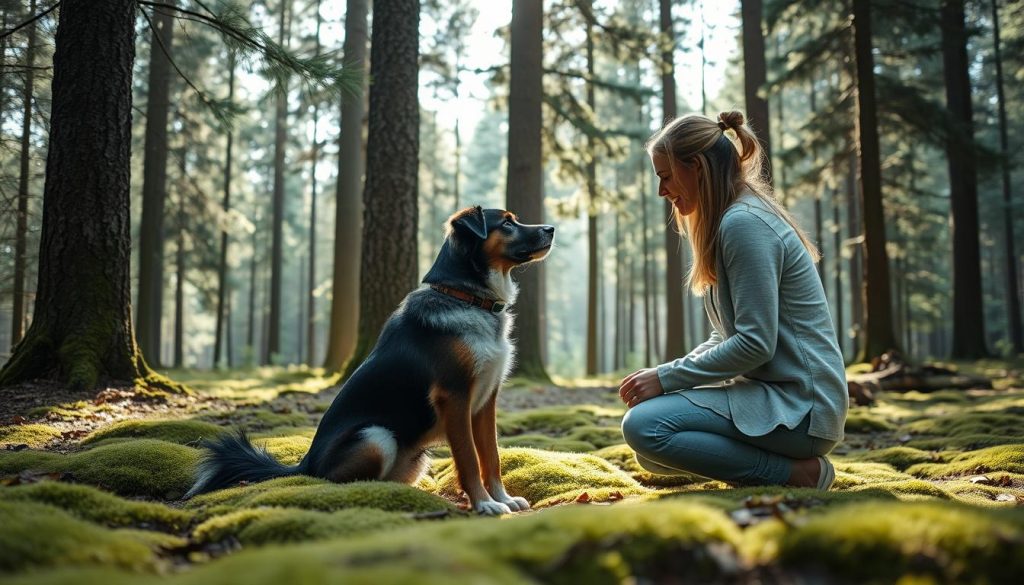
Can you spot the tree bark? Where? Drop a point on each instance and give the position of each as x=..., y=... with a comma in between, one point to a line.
x=20, y=244
x=222, y=270
x=154, y=188
x=524, y=182
x=755, y=75
x=81, y=333
x=179, y=280
x=1012, y=291
x=389, y=267
x=277, y=245
x=341, y=337
x=968, y=304
x=593, y=286
x=674, y=342
x=311, y=276
x=879, y=335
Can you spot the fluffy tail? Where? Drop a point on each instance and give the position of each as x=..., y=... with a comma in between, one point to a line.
x=232, y=459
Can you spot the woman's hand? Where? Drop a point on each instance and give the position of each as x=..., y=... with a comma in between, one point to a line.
x=639, y=386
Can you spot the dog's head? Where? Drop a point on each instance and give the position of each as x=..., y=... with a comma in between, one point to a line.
x=502, y=241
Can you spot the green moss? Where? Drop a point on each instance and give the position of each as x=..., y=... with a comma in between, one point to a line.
x=12, y=462
x=899, y=457
x=550, y=421
x=905, y=489
x=886, y=541
x=261, y=419
x=649, y=542
x=545, y=475
x=135, y=467
x=183, y=432
x=96, y=506
x=545, y=442
x=279, y=525
x=860, y=420
x=36, y=535
x=985, y=495
x=623, y=457
x=961, y=442
x=969, y=423
x=312, y=494
x=33, y=435
x=598, y=436
x=287, y=450
x=1005, y=458
x=853, y=474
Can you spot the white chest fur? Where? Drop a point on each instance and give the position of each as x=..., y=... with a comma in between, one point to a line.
x=494, y=356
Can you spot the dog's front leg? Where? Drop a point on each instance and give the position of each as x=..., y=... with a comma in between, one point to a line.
x=455, y=414
x=485, y=435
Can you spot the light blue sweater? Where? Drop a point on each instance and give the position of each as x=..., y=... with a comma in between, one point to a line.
x=773, y=356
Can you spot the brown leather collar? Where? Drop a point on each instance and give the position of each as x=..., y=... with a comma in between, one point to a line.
x=495, y=307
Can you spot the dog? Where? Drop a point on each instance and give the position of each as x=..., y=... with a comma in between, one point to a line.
x=433, y=376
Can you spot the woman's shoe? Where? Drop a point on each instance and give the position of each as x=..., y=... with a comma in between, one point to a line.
x=827, y=475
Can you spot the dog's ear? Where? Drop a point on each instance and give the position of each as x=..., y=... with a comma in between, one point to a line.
x=471, y=221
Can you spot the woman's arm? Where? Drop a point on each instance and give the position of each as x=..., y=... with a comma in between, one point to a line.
x=753, y=256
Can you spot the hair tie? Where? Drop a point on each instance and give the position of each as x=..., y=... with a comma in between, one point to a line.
x=723, y=126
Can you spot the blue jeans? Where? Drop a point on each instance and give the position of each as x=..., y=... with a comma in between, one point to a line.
x=671, y=435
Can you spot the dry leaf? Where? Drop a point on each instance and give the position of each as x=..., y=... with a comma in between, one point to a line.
x=583, y=498
x=981, y=479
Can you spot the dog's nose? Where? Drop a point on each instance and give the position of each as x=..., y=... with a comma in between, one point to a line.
x=548, y=229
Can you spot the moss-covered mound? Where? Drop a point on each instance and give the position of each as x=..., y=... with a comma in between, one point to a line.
x=36, y=535
x=881, y=542
x=547, y=477
x=140, y=467
x=1005, y=458
x=623, y=457
x=316, y=494
x=98, y=507
x=899, y=457
x=280, y=525
x=183, y=432
x=33, y=435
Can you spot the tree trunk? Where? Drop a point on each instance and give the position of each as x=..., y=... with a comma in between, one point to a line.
x=222, y=270
x=20, y=245
x=674, y=342
x=593, y=334
x=311, y=298
x=154, y=188
x=389, y=263
x=179, y=280
x=878, y=302
x=968, y=304
x=277, y=246
x=755, y=75
x=524, y=182
x=1012, y=292
x=341, y=336
x=81, y=332
x=250, y=338
x=837, y=268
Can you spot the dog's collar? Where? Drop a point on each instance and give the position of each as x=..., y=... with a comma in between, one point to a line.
x=496, y=307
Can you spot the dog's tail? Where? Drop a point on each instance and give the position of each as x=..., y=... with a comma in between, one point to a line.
x=233, y=458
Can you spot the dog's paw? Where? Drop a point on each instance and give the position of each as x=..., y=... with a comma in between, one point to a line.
x=491, y=508
x=516, y=504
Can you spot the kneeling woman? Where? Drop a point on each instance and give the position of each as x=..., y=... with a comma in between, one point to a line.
x=764, y=399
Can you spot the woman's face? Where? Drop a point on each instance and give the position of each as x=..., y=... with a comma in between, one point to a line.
x=678, y=187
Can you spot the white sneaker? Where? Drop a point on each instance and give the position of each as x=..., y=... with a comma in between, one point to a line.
x=827, y=475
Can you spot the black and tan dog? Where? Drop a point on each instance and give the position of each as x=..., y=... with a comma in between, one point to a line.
x=433, y=376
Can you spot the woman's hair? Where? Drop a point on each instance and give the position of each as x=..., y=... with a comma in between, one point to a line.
x=726, y=167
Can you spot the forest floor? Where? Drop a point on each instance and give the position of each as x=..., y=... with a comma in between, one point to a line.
x=930, y=488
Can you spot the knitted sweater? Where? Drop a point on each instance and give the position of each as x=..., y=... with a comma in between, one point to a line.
x=773, y=356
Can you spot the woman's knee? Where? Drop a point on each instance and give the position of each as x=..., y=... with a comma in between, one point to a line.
x=640, y=424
